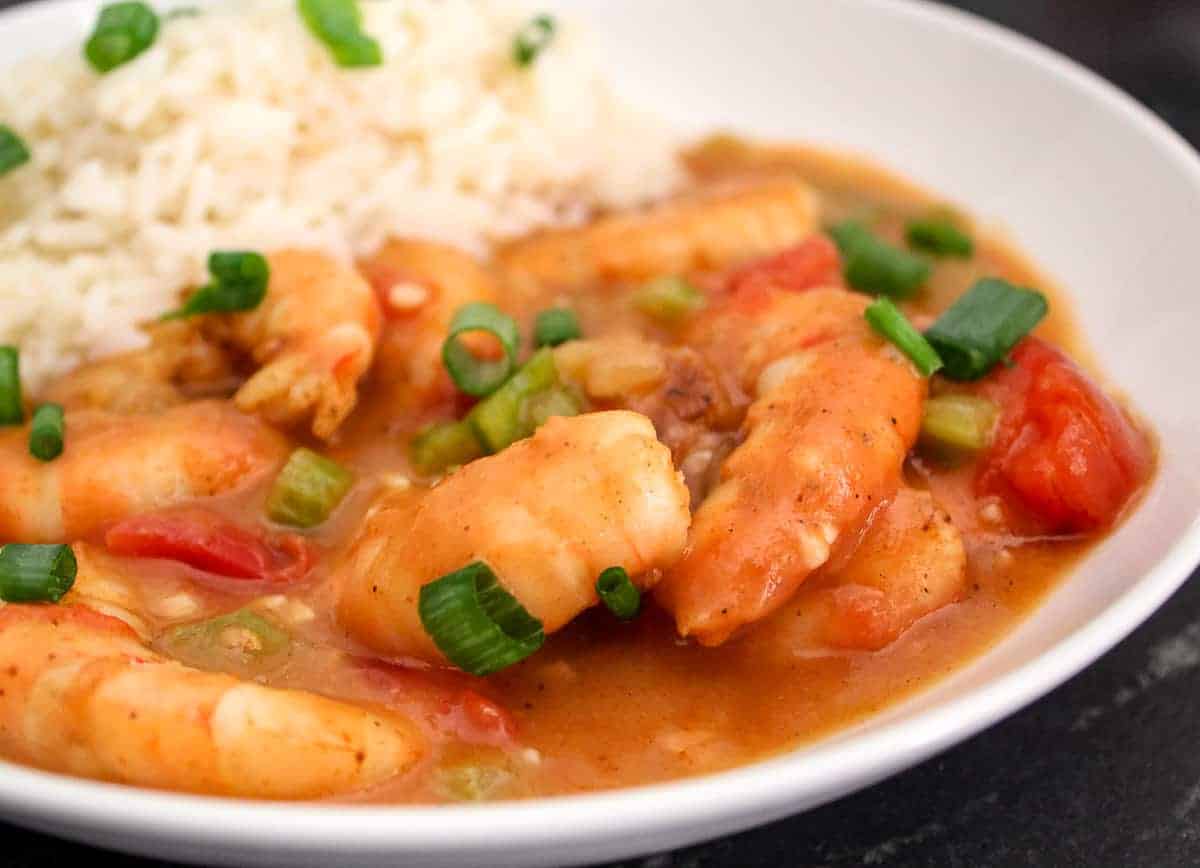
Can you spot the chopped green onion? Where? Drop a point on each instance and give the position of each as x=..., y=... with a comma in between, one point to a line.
x=338, y=23
x=872, y=265
x=242, y=640
x=13, y=151
x=980, y=329
x=532, y=39
x=449, y=444
x=123, y=31
x=849, y=233
x=959, y=421
x=619, y=594
x=308, y=489
x=36, y=573
x=555, y=326
x=669, y=299
x=475, y=376
x=541, y=407
x=239, y=283
x=479, y=626
x=497, y=418
x=939, y=237
x=46, y=432
x=12, y=409
x=889, y=321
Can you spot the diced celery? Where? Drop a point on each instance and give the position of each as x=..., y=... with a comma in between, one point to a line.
x=449, y=444
x=537, y=409
x=669, y=300
x=497, y=418
x=959, y=421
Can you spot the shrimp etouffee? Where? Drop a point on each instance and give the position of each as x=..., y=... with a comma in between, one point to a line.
x=652, y=496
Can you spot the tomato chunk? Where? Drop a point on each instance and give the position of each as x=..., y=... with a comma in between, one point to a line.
x=1062, y=448
x=811, y=263
x=450, y=701
x=208, y=542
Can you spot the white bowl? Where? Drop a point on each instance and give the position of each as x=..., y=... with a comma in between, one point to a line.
x=1102, y=194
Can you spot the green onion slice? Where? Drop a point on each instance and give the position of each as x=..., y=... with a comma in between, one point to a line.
x=532, y=39
x=889, y=321
x=12, y=409
x=475, y=376
x=873, y=266
x=497, y=419
x=239, y=283
x=123, y=31
x=46, y=432
x=962, y=422
x=338, y=24
x=849, y=233
x=669, y=299
x=541, y=407
x=307, y=490
x=555, y=326
x=479, y=626
x=13, y=151
x=243, y=640
x=36, y=573
x=939, y=237
x=450, y=444
x=619, y=594
x=980, y=329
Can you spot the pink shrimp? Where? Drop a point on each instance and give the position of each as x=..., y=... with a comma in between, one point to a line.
x=116, y=465
x=835, y=411
x=548, y=514
x=314, y=337
x=81, y=693
x=910, y=563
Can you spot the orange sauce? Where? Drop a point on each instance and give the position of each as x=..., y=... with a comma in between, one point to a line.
x=605, y=704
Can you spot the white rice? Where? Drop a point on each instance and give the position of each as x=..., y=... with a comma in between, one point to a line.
x=236, y=130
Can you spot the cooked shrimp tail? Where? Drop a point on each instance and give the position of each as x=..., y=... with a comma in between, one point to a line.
x=313, y=337
x=911, y=562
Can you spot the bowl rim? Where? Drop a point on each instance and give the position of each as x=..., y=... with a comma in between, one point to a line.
x=762, y=790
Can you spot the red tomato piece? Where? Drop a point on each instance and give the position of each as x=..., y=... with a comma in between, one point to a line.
x=811, y=263
x=446, y=699
x=208, y=542
x=487, y=722
x=1063, y=449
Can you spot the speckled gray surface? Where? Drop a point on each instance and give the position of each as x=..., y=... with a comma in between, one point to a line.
x=1103, y=771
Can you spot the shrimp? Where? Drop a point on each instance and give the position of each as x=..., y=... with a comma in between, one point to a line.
x=81, y=693
x=911, y=562
x=115, y=465
x=314, y=337
x=716, y=228
x=548, y=514
x=835, y=411
x=422, y=284
x=176, y=365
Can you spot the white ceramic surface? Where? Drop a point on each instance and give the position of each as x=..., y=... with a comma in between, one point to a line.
x=1103, y=195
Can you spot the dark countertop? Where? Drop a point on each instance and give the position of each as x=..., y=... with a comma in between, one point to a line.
x=1103, y=771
